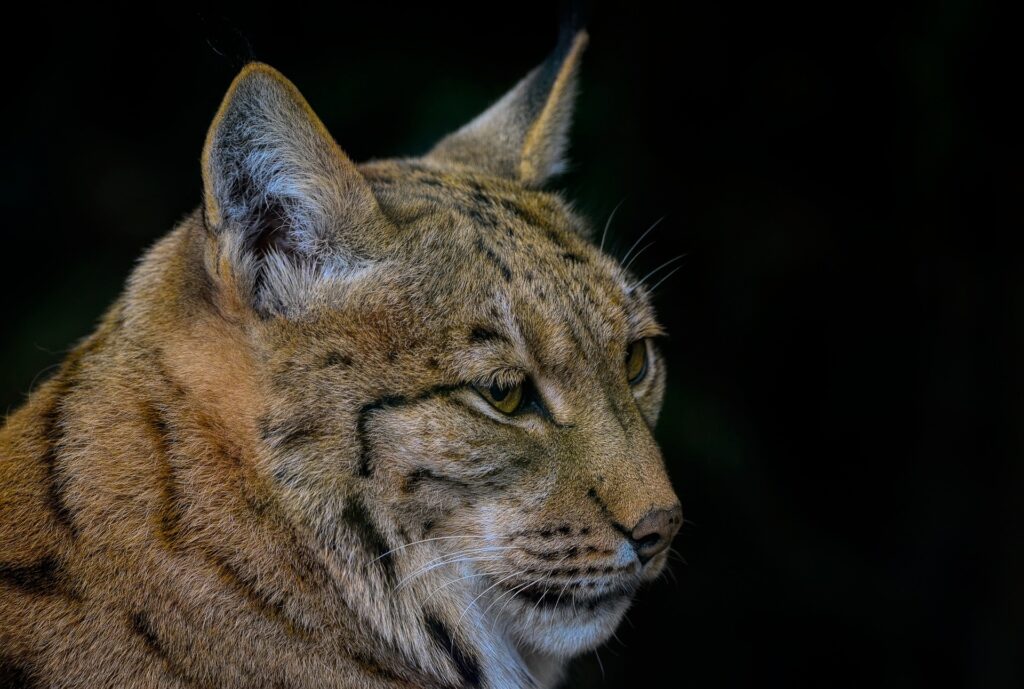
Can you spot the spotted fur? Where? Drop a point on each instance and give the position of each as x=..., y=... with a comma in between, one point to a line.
x=270, y=465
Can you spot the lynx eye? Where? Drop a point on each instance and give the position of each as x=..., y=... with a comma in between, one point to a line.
x=506, y=399
x=636, y=362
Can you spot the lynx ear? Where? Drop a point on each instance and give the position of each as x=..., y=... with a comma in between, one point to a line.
x=525, y=134
x=278, y=190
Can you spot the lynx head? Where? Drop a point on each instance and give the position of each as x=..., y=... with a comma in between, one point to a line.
x=458, y=386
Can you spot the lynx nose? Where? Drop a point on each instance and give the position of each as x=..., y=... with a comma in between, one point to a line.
x=653, y=534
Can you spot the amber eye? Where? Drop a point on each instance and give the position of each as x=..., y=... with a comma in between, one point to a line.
x=506, y=399
x=636, y=361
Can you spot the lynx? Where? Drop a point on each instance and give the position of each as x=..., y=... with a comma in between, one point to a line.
x=349, y=425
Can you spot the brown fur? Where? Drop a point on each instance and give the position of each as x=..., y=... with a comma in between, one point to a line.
x=269, y=467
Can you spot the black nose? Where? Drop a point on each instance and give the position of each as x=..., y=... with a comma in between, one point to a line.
x=653, y=534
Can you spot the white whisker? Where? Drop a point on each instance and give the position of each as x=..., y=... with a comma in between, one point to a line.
x=512, y=593
x=666, y=277
x=451, y=561
x=546, y=593
x=453, y=581
x=426, y=540
x=472, y=602
x=644, y=248
x=609, y=222
x=666, y=263
x=564, y=587
x=641, y=238
x=451, y=558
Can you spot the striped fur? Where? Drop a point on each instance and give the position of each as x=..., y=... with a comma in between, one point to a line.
x=269, y=466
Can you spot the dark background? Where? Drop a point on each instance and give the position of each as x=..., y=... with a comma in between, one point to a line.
x=842, y=418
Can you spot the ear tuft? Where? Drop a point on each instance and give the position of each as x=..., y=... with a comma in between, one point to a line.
x=524, y=135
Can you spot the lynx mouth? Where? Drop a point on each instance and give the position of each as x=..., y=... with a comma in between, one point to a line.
x=555, y=597
x=577, y=598
x=563, y=618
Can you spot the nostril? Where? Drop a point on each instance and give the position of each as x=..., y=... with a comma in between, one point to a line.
x=647, y=542
x=653, y=534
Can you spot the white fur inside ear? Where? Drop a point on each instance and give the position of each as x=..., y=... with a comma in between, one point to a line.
x=291, y=286
x=278, y=177
x=292, y=212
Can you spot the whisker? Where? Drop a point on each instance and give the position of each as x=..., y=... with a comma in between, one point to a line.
x=546, y=593
x=667, y=276
x=515, y=592
x=494, y=620
x=472, y=602
x=641, y=238
x=678, y=556
x=480, y=549
x=511, y=593
x=425, y=540
x=42, y=372
x=449, y=583
x=666, y=263
x=452, y=558
x=449, y=558
x=609, y=222
x=644, y=248
x=560, y=593
x=457, y=560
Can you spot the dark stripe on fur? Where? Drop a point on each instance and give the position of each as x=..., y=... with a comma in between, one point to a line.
x=263, y=603
x=481, y=216
x=45, y=577
x=554, y=237
x=493, y=258
x=15, y=674
x=377, y=669
x=338, y=359
x=170, y=512
x=421, y=475
x=141, y=626
x=481, y=334
x=467, y=665
x=56, y=483
x=480, y=206
x=603, y=506
x=523, y=213
x=366, y=412
x=377, y=546
x=295, y=431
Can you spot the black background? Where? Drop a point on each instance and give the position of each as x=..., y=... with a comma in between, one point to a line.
x=842, y=419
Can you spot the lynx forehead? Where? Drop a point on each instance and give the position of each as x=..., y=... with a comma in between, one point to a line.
x=374, y=425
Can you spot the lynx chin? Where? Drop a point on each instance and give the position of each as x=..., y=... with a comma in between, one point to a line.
x=385, y=424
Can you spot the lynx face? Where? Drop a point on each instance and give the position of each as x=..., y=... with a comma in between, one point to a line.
x=510, y=380
x=453, y=365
